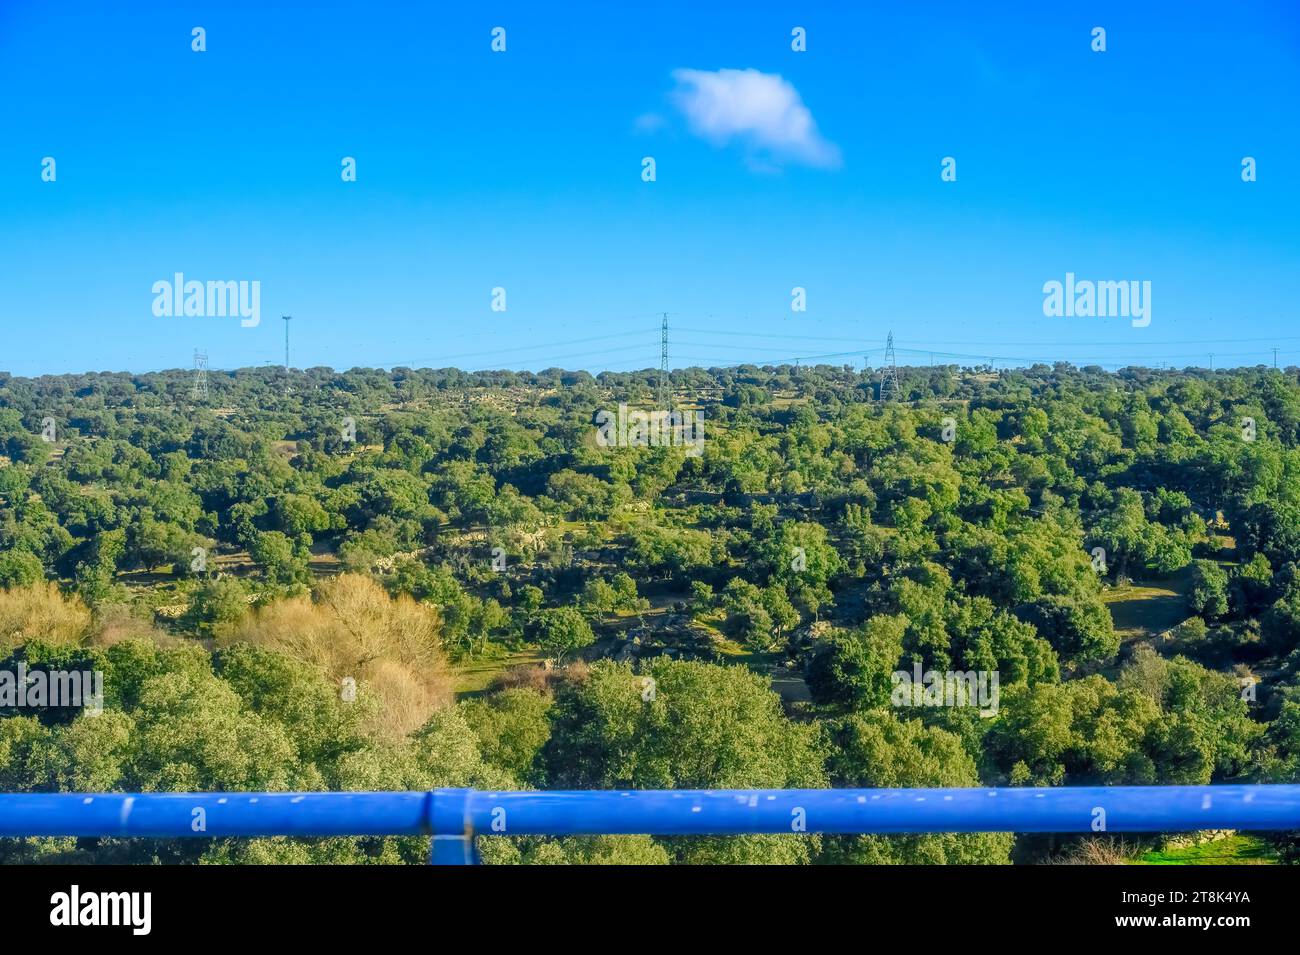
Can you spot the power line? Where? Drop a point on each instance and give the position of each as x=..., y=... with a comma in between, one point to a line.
x=1012, y=360
x=1038, y=344
x=517, y=348
x=737, y=352
x=932, y=352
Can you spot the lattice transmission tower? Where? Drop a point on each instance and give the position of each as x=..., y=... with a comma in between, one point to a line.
x=664, y=399
x=889, y=373
x=199, y=391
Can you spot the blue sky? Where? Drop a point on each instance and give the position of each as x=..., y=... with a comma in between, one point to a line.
x=522, y=170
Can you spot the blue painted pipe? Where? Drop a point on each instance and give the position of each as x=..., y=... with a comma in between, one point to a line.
x=1050, y=809
x=454, y=814
x=174, y=815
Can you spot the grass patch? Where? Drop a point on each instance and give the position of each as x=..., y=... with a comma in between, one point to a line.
x=474, y=678
x=1144, y=609
x=1240, y=849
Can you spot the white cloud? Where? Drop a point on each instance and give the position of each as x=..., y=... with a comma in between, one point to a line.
x=761, y=110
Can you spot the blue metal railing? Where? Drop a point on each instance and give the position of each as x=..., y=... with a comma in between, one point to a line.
x=453, y=817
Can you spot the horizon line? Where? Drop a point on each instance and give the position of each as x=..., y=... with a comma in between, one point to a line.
x=997, y=365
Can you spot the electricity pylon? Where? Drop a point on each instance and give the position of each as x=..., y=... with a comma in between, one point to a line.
x=663, y=365
x=200, y=390
x=889, y=373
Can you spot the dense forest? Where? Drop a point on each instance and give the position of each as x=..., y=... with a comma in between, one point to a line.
x=416, y=578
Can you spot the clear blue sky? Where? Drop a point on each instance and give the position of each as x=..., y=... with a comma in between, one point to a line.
x=523, y=170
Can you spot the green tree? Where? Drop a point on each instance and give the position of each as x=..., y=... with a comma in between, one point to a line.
x=276, y=555
x=1207, y=593
x=852, y=669
x=561, y=631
